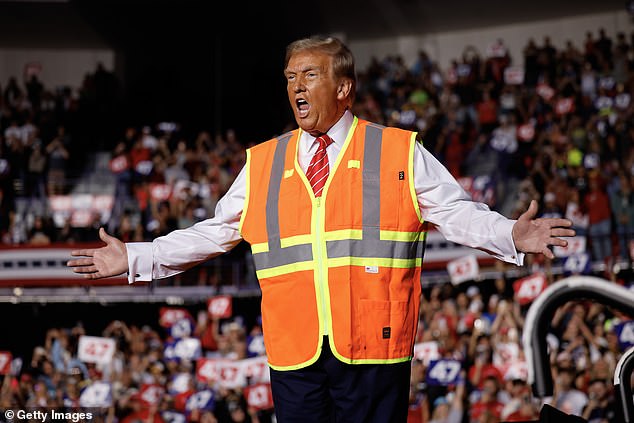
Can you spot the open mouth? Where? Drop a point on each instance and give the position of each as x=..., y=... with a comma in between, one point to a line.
x=302, y=107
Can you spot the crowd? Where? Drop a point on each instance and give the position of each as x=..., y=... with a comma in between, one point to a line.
x=559, y=129
x=46, y=135
x=198, y=365
x=171, y=372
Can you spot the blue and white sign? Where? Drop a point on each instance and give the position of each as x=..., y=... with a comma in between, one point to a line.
x=255, y=346
x=443, y=372
x=201, y=400
x=173, y=417
x=96, y=395
x=577, y=264
x=183, y=349
x=625, y=332
x=182, y=328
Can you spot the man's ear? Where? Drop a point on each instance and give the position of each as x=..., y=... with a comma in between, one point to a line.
x=344, y=88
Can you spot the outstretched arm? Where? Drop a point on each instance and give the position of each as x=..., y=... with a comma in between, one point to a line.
x=172, y=253
x=537, y=235
x=103, y=262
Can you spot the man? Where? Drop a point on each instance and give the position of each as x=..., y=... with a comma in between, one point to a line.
x=334, y=214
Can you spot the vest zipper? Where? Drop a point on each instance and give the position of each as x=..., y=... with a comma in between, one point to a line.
x=320, y=270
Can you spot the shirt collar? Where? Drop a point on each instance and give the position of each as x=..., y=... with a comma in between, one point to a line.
x=338, y=132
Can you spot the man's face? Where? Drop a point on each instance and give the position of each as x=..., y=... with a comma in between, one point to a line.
x=313, y=92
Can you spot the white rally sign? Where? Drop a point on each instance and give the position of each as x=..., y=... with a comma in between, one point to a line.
x=463, y=269
x=426, y=351
x=95, y=349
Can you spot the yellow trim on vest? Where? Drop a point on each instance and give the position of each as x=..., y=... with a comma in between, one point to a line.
x=354, y=164
x=246, y=195
x=412, y=188
x=375, y=261
x=285, y=269
x=313, y=238
x=400, y=236
x=322, y=228
x=288, y=173
x=318, y=273
x=296, y=240
x=301, y=365
x=262, y=247
x=364, y=360
x=343, y=234
x=322, y=263
x=318, y=215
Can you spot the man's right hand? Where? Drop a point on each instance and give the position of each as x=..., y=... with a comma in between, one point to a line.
x=109, y=260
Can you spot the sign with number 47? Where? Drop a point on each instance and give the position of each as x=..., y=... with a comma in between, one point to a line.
x=95, y=349
x=443, y=372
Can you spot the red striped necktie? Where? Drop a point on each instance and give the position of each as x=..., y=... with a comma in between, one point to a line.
x=318, y=169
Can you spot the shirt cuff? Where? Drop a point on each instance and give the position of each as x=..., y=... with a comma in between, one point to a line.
x=513, y=256
x=139, y=261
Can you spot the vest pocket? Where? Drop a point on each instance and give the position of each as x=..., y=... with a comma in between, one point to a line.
x=385, y=328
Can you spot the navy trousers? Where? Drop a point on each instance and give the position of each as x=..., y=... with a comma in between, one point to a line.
x=330, y=391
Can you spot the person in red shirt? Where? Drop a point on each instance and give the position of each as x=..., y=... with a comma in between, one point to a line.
x=483, y=368
x=488, y=402
x=487, y=109
x=597, y=204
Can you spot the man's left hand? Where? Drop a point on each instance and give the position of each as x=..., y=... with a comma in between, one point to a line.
x=536, y=235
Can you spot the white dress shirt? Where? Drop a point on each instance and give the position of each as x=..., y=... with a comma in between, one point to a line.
x=443, y=202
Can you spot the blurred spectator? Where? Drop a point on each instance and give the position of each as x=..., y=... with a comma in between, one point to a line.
x=148, y=140
x=567, y=397
x=12, y=94
x=521, y=407
x=34, y=90
x=601, y=406
x=604, y=46
x=36, y=172
x=449, y=408
x=58, y=157
x=487, y=109
x=483, y=366
x=531, y=67
x=577, y=214
x=488, y=402
x=597, y=203
x=40, y=232
x=550, y=206
x=622, y=206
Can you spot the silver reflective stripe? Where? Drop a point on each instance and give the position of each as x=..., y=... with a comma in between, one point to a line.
x=375, y=248
x=420, y=248
x=276, y=255
x=273, y=196
x=372, y=182
x=281, y=257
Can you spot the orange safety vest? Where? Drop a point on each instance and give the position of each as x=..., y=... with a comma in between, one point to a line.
x=347, y=264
